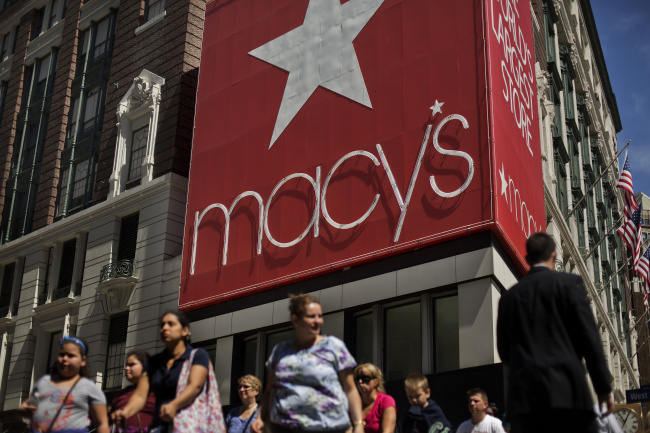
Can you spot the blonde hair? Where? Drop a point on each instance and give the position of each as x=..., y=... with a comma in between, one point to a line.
x=374, y=371
x=298, y=304
x=254, y=381
x=415, y=381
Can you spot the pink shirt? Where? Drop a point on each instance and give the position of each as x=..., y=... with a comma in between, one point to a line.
x=373, y=419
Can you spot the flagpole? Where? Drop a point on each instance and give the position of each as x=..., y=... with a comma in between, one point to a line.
x=597, y=180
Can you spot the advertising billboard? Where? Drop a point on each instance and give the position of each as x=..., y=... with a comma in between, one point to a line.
x=329, y=133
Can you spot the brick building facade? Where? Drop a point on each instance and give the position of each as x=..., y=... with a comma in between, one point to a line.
x=97, y=108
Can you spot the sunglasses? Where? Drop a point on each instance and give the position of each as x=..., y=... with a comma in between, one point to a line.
x=364, y=378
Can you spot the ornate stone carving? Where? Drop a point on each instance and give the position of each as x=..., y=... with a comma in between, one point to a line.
x=141, y=92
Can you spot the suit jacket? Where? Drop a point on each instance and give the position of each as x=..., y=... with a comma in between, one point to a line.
x=545, y=328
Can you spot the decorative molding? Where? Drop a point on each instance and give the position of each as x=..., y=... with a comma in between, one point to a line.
x=43, y=44
x=140, y=106
x=115, y=294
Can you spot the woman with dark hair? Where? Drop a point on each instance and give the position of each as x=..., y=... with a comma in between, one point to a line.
x=162, y=373
x=310, y=384
x=133, y=370
x=64, y=400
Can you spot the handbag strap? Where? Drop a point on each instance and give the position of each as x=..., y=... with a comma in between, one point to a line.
x=49, y=429
x=251, y=418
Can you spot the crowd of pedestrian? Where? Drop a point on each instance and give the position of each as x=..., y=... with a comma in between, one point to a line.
x=545, y=330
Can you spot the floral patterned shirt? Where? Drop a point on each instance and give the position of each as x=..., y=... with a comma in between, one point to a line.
x=308, y=394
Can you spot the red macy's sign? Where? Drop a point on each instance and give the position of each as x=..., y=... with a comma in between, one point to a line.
x=333, y=132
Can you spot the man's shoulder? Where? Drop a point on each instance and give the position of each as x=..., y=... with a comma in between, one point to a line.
x=465, y=426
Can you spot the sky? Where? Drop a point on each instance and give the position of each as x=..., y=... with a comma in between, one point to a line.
x=624, y=32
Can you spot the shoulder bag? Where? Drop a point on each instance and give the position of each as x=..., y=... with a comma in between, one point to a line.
x=204, y=414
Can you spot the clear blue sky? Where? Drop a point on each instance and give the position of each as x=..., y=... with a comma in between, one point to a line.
x=624, y=31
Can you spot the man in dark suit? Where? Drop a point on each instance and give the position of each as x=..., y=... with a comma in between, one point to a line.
x=544, y=330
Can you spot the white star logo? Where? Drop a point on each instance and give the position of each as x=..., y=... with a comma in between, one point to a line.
x=504, y=183
x=436, y=108
x=320, y=53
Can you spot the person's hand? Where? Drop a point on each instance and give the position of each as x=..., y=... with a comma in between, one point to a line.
x=26, y=409
x=117, y=416
x=608, y=400
x=257, y=426
x=168, y=412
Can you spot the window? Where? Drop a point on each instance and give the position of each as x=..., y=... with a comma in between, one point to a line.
x=92, y=108
x=645, y=237
x=447, y=350
x=54, y=347
x=128, y=237
x=138, y=113
x=83, y=182
x=8, y=43
x=153, y=8
x=403, y=341
x=57, y=13
x=138, y=152
x=116, y=350
x=561, y=158
x=102, y=39
x=3, y=96
x=68, y=253
x=73, y=116
x=362, y=342
x=38, y=27
x=33, y=143
x=7, y=288
x=255, y=350
x=646, y=221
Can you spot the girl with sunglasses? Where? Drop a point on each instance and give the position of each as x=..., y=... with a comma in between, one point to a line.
x=379, y=411
x=64, y=400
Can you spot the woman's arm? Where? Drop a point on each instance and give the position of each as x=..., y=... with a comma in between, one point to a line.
x=257, y=426
x=388, y=419
x=198, y=374
x=100, y=417
x=354, y=399
x=135, y=403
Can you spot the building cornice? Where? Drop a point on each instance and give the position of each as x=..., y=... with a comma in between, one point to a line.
x=80, y=221
x=588, y=15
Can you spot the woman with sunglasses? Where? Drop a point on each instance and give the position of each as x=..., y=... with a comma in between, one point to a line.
x=239, y=418
x=66, y=400
x=310, y=383
x=379, y=411
x=162, y=374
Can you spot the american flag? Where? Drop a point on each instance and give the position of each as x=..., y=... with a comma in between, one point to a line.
x=631, y=233
x=643, y=268
x=625, y=183
x=645, y=295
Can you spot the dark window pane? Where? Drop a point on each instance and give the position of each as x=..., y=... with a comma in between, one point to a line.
x=128, y=237
x=403, y=345
x=446, y=334
x=250, y=357
x=363, y=338
x=67, y=264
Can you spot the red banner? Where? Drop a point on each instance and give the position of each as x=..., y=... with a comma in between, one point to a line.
x=329, y=133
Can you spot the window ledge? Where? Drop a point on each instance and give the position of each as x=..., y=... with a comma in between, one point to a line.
x=153, y=21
